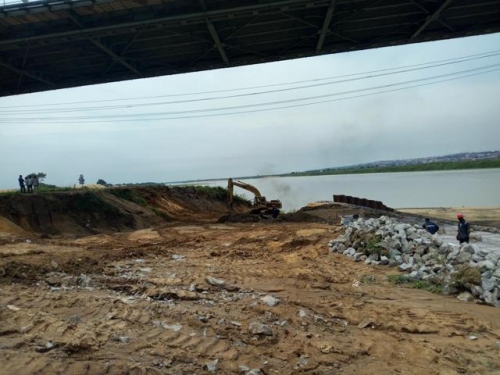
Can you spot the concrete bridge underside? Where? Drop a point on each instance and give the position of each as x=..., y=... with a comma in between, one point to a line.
x=51, y=44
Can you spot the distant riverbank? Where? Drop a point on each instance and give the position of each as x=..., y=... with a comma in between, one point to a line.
x=438, y=166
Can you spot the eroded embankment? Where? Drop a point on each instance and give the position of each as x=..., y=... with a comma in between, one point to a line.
x=79, y=213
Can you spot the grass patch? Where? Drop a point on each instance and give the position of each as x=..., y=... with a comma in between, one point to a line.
x=161, y=214
x=465, y=277
x=400, y=279
x=217, y=193
x=367, y=279
x=433, y=286
x=42, y=188
x=128, y=195
x=430, y=286
x=214, y=192
x=89, y=202
x=372, y=247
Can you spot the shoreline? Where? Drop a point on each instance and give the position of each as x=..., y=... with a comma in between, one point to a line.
x=475, y=215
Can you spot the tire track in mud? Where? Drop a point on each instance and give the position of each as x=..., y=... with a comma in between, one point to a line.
x=129, y=322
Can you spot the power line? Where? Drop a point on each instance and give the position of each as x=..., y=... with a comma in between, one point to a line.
x=128, y=106
x=287, y=106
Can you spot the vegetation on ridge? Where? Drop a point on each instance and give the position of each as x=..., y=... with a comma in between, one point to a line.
x=437, y=166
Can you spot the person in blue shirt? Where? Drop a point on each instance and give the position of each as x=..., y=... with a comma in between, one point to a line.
x=430, y=226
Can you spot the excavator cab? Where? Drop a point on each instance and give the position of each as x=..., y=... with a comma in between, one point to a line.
x=260, y=203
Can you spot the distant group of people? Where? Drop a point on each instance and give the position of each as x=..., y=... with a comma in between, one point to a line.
x=463, y=231
x=29, y=183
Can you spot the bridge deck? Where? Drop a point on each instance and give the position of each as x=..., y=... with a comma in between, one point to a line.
x=54, y=44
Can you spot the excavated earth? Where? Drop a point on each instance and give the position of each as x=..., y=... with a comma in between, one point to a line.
x=153, y=284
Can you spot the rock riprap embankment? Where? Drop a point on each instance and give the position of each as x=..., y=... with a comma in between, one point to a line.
x=424, y=257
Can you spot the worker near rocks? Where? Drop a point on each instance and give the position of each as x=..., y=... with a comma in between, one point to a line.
x=463, y=229
x=430, y=226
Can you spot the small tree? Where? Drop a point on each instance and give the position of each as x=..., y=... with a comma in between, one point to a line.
x=41, y=176
x=101, y=182
x=81, y=180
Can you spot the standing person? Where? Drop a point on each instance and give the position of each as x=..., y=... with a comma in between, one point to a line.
x=35, y=183
x=463, y=229
x=430, y=226
x=29, y=183
x=21, y=184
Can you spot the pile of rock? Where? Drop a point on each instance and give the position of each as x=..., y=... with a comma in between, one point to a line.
x=385, y=241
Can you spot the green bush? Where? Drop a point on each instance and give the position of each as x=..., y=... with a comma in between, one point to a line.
x=89, y=202
x=465, y=277
x=128, y=195
x=371, y=246
x=429, y=286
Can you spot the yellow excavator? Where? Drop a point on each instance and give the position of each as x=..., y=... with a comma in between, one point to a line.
x=260, y=204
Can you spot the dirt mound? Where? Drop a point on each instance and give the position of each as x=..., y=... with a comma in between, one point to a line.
x=82, y=213
x=9, y=228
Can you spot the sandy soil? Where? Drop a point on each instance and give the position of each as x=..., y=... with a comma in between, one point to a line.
x=486, y=216
x=140, y=303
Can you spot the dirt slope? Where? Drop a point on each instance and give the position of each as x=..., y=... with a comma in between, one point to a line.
x=81, y=213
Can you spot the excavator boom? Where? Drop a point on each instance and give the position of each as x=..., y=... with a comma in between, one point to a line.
x=259, y=199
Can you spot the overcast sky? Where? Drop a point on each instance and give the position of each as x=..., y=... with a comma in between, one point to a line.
x=447, y=117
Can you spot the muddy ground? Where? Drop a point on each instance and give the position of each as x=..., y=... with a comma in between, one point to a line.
x=187, y=297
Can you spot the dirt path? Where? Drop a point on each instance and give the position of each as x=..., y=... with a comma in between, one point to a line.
x=140, y=303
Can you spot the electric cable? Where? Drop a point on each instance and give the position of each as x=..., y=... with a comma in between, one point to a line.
x=274, y=108
x=276, y=102
x=127, y=106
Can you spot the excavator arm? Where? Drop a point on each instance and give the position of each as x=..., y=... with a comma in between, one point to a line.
x=230, y=188
x=259, y=200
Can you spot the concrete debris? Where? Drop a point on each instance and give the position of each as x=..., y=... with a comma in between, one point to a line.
x=270, y=300
x=243, y=368
x=215, y=282
x=178, y=257
x=212, y=366
x=465, y=297
x=176, y=327
x=256, y=328
x=122, y=339
x=367, y=322
x=49, y=345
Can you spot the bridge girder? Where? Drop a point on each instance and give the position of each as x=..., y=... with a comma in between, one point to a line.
x=79, y=42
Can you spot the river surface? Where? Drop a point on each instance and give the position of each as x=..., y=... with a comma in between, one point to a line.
x=478, y=187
